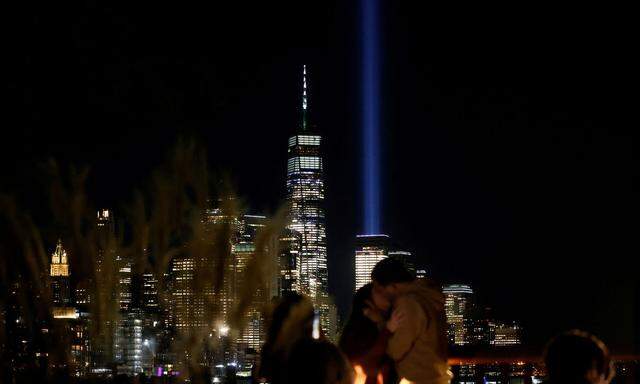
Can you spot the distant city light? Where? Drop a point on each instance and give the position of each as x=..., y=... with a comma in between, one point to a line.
x=224, y=330
x=64, y=313
x=315, y=333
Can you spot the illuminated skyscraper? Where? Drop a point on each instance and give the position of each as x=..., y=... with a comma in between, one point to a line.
x=102, y=352
x=79, y=335
x=59, y=273
x=125, y=283
x=504, y=334
x=154, y=323
x=405, y=257
x=128, y=322
x=305, y=194
x=458, y=308
x=128, y=346
x=244, y=231
x=215, y=219
x=186, y=307
x=68, y=319
x=253, y=335
x=289, y=263
x=150, y=298
x=421, y=273
x=369, y=250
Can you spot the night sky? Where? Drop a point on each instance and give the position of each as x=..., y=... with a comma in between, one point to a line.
x=508, y=160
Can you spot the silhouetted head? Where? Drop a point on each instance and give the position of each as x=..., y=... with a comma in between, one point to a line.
x=359, y=333
x=318, y=362
x=290, y=322
x=292, y=307
x=364, y=297
x=578, y=357
x=388, y=275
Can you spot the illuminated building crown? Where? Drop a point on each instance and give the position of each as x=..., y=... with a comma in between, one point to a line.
x=59, y=264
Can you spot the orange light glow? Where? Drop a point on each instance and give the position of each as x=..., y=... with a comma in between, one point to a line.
x=405, y=381
x=360, y=377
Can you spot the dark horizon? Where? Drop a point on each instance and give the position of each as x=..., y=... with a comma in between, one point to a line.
x=507, y=162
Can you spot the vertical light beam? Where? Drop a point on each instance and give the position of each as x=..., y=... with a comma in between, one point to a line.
x=370, y=63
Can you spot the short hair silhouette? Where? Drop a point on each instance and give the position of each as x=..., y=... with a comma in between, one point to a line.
x=389, y=271
x=570, y=355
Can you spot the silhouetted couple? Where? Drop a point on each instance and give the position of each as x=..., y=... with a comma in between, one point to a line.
x=396, y=334
x=396, y=331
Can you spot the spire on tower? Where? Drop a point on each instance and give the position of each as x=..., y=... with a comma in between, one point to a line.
x=59, y=263
x=304, y=97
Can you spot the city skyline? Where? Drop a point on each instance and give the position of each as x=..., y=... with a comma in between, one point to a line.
x=301, y=268
x=506, y=167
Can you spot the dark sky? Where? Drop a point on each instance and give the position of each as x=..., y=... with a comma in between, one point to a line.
x=508, y=159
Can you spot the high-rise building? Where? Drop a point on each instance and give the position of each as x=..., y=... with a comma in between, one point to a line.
x=478, y=331
x=119, y=288
x=305, y=194
x=215, y=220
x=253, y=334
x=458, y=308
x=73, y=324
x=150, y=298
x=129, y=344
x=59, y=274
x=370, y=249
x=105, y=296
x=503, y=334
x=83, y=295
x=421, y=273
x=186, y=308
x=125, y=283
x=289, y=263
x=155, y=330
x=407, y=258
x=79, y=332
x=244, y=232
x=191, y=280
